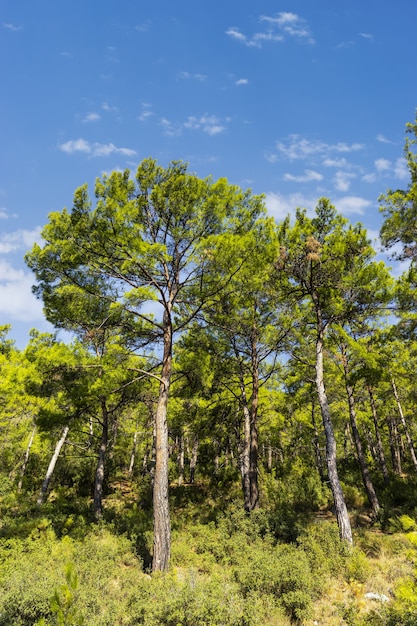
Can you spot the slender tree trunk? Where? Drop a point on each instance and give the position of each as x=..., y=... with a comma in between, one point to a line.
x=245, y=455
x=342, y=516
x=26, y=459
x=100, y=470
x=404, y=424
x=161, y=515
x=133, y=453
x=193, y=461
x=51, y=466
x=316, y=444
x=366, y=476
x=181, y=456
x=379, y=446
x=393, y=444
x=253, y=457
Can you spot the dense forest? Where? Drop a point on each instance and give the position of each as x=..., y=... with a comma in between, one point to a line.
x=229, y=437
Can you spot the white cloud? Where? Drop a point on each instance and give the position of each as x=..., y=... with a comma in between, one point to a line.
x=279, y=206
x=169, y=128
x=382, y=165
x=335, y=162
x=19, y=240
x=241, y=81
x=401, y=169
x=296, y=147
x=278, y=28
x=110, y=109
x=187, y=75
x=209, y=124
x=94, y=149
x=144, y=26
x=307, y=177
x=92, y=117
x=342, y=180
x=13, y=27
x=352, y=204
x=383, y=139
x=369, y=178
x=16, y=298
x=367, y=36
x=146, y=112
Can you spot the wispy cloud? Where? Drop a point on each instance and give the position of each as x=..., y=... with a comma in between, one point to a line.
x=277, y=28
x=241, y=81
x=296, y=147
x=382, y=165
x=352, y=204
x=146, y=112
x=383, y=139
x=280, y=205
x=308, y=177
x=16, y=298
x=367, y=36
x=144, y=26
x=342, y=180
x=92, y=117
x=19, y=240
x=189, y=76
x=12, y=27
x=109, y=108
x=401, y=169
x=208, y=124
x=94, y=149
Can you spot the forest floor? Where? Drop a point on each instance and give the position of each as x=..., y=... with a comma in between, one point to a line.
x=228, y=568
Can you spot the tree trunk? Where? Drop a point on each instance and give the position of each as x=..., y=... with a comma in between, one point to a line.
x=245, y=455
x=161, y=516
x=99, y=477
x=393, y=444
x=193, y=461
x=253, y=457
x=316, y=444
x=26, y=459
x=133, y=453
x=366, y=477
x=379, y=446
x=51, y=466
x=181, y=460
x=404, y=424
x=342, y=516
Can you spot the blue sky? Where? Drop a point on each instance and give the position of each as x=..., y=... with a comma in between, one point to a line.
x=294, y=99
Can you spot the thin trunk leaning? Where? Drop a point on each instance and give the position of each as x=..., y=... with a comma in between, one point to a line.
x=404, y=424
x=345, y=530
x=51, y=467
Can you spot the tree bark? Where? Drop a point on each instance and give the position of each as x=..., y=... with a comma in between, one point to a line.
x=366, y=476
x=193, y=460
x=253, y=457
x=100, y=470
x=26, y=459
x=342, y=516
x=51, y=466
x=393, y=444
x=161, y=515
x=379, y=446
x=404, y=424
x=181, y=455
x=133, y=453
